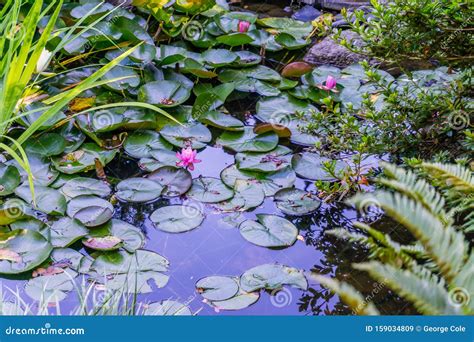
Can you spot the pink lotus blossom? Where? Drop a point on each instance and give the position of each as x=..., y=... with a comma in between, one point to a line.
x=330, y=83
x=243, y=26
x=187, y=158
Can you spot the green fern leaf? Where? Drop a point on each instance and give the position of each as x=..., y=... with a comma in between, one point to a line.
x=348, y=295
x=424, y=290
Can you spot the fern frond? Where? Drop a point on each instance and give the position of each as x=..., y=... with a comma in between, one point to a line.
x=425, y=290
x=408, y=183
x=348, y=295
x=454, y=176
x=446, y=246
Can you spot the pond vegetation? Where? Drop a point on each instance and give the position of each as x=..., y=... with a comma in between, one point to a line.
x=180, y=157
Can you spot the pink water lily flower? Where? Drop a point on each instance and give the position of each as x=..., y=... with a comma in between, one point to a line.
x=330, y=83
x=243, y=26
x=187, y=158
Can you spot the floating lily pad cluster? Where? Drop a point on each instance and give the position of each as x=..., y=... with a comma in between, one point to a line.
x=67, y=228
x=236, y=293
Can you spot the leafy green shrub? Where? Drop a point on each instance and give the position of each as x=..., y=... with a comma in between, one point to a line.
x=435, y=272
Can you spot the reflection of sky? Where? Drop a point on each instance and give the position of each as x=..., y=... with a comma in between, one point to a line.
x=217, y=248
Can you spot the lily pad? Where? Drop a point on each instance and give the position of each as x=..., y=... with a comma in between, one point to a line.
x=175, y=181
x=240, y=301
x=9, y=179
x=177, y=218
x=40, y=168
x=209, y=190
x=83, y=159
x=217, y=288
x=47, y=200
x=85, y=186
x=138, y=190
x=12, y=210
x=167, y=308
x=160, y=158
x=310, y=165
x=66, y=231
x=51, y=288
x=248, y=141
x=271, y=182
x=30, y=249
x=248, y=195
x=220, y=120
x=272, y=161
x=269, y=231
x=296, y=202
x=131, y=273
x=219, y=57
x=113, y=235
x=91, y=211
x=46, y=145
x=72, y=258
x=164, y=93
x=272, y=277
x=140, y=144
x=195, y=134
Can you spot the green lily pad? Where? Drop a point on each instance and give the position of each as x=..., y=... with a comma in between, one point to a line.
x=177, y=218
x=140, y=144
x=235, y=39
x=130, y=78
x=248, y=195
x=66, y=231
x=47, y=200
x=131, y=273
x=310, y=165
x=167, y=308
x=223, y=121
x=31, y=223
x=219, y=57
x=269, y=231
x=272, y=161
x=272, y=277
x=248, y=141
x=217, y=288
x=247, y=58
x=51, y=288
x=240, y=301
x=296, y=202
x=83, y=159
x=29, y=249
x=287, y=25
x=74, y=259
x=195, y=134
x=9, y=179
x=209, y=190
x=282, y=109
x=290, y=42
x=91, y=211
x=46, y=145
x=164, y=93
x=271, y=182
x=138, y=190
x=175, y=181
x=13, y=210
x=160, y=158
x=40, y=168
x=113, y=235
x=85, y=186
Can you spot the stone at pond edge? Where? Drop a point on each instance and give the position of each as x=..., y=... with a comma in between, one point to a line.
x=330, y=52
x=306, y=13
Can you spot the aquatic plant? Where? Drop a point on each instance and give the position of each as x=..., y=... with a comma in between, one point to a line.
x=435, y=271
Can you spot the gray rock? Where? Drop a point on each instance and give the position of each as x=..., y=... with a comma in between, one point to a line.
x=306, y=13
x=330, y=52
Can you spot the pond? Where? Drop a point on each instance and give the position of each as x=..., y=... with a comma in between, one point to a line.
x=219, y=211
